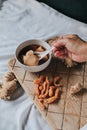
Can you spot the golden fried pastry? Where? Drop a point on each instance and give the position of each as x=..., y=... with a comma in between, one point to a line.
x=45, y=91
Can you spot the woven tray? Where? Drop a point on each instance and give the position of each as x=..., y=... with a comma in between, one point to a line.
x=70, y=112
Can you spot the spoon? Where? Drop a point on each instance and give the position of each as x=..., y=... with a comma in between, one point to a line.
x=44, y=53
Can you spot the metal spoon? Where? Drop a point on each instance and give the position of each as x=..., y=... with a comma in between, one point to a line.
x=44, y=53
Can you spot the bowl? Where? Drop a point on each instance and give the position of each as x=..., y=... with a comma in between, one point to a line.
x=26, y=44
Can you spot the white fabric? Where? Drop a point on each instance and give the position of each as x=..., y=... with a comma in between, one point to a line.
x=21, y=20
x=84, y=128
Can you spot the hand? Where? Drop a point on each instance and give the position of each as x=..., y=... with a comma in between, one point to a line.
x=70, y=46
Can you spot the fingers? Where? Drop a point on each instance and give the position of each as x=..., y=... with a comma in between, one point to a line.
x=62, y=53
x=68, y=36
x=59, y=55
x=63, y=46
x=63, y=40
x=60, y=50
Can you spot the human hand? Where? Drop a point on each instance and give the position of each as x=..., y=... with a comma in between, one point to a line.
x=70, y=46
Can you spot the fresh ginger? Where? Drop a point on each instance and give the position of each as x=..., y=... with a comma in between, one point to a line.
x=75, y=88
x=8, y=85
x=30, y=59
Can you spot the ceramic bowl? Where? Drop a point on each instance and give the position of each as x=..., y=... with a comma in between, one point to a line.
x=33, y=42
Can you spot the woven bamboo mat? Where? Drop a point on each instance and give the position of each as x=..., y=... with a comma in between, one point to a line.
x=70, y=112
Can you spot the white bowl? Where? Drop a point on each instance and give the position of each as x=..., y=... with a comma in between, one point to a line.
x=33, y=42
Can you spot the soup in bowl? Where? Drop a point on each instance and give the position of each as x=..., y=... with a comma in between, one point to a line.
x=28, y=60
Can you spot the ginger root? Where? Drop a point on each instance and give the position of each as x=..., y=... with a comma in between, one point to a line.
x=8, y=77
x=75, y=88
x=69, y=62
x=8, y=86
x=30, y=59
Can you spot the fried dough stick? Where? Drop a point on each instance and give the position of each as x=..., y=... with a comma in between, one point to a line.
x=51, y=91
x=36, y=89
x=52, y=99
x=39, y=80
x=41, y=104
x=56, y=81
x=46, y=88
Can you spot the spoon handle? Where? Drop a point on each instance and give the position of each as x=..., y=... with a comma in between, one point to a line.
x=43, y=54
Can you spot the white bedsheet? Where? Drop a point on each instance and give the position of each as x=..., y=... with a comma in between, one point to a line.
x=21, y=20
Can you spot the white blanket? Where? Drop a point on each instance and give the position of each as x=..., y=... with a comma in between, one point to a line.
x=21, y=20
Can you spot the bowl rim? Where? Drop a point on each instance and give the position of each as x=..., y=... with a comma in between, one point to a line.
x=26, y=66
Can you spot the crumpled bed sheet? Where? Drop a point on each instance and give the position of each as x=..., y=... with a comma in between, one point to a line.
x=21, y=20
